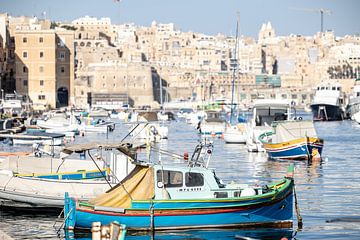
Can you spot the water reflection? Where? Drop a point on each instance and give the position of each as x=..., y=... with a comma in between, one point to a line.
x=265, y=234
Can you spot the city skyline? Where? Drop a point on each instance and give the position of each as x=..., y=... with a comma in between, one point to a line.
x=287, y=16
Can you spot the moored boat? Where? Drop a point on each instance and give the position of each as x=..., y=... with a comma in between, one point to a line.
x=21, y=187
x=328, y=103
x=159, y=197
x=292, y=140
x=265, y=111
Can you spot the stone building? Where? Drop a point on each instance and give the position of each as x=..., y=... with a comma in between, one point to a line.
x=45, y=66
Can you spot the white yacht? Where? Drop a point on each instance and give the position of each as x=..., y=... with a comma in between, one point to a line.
x=328, y=103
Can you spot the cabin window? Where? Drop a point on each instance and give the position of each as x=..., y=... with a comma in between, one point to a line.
x=333, y=88
x=220, y=194
x=170, y=178
x=194, y=179
x=338, y=88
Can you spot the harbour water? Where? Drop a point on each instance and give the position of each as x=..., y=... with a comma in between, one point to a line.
x=328, y=192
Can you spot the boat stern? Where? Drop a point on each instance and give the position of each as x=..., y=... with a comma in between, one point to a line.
x=69, y=212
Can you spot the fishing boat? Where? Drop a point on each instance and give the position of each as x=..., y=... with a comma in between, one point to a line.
x=162, y=197
x=328, y=103
x=292, y=140
x=41, y=182
x=265, y=111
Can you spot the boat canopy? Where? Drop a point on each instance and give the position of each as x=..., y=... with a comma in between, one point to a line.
x=138, y=185
x=290, y=130
x=126, y=148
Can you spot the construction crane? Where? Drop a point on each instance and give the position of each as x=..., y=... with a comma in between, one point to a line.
x=322, y=11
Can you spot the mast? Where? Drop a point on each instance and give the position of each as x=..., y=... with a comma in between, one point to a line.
x=234, y=65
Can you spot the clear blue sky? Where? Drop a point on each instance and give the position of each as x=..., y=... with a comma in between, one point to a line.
x=205, y=16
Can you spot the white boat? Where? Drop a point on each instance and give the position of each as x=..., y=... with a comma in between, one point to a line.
x=212, y=124
x=265, y=111
x=97, y=126
x=34, y=192
x=356, y=117
x=328, y=103
x=59, y=123
x=29, y=138
x=146, y=127
x=235, y=133
x=354, y=101
x=184, y=112
x=194, y=118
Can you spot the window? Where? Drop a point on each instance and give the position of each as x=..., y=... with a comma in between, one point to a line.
x=24, y=69
x=25, y=83
x=171, y=178
x=25, y=54
x=62, y=69
x=194, y=179
x=24, y=40
x=62, y=55
x=41, y=40
x=41, y=97
x=41, y=82
x=41, y=69
x=41, y=54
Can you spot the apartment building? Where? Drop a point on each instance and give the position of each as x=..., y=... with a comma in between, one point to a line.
x=45, y=66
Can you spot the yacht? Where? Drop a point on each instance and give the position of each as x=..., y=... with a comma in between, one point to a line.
x=328, y=103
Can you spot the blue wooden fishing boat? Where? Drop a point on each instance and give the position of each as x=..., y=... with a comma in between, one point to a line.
x=159, y=197
x=292, y=140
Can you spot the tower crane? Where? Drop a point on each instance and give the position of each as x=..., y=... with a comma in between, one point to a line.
x=322, y=11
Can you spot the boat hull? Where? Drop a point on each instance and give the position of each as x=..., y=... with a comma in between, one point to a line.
x=45, y=193
x=298, y=149
x=266, y=210
x=326, y=112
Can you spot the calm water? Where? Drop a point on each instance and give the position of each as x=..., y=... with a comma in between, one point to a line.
x=326, y=191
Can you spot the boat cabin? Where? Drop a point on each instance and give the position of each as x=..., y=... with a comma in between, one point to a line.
x=196, y=180
x=267, y=111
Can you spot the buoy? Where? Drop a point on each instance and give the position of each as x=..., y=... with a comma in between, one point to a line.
x=186, y=156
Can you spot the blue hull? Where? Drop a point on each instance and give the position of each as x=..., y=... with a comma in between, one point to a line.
x=297, y=152
x=276, y=212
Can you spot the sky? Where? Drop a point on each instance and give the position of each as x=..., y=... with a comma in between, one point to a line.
x=204, y=16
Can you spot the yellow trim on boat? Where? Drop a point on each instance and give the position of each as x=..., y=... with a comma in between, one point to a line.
x=293, y=142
